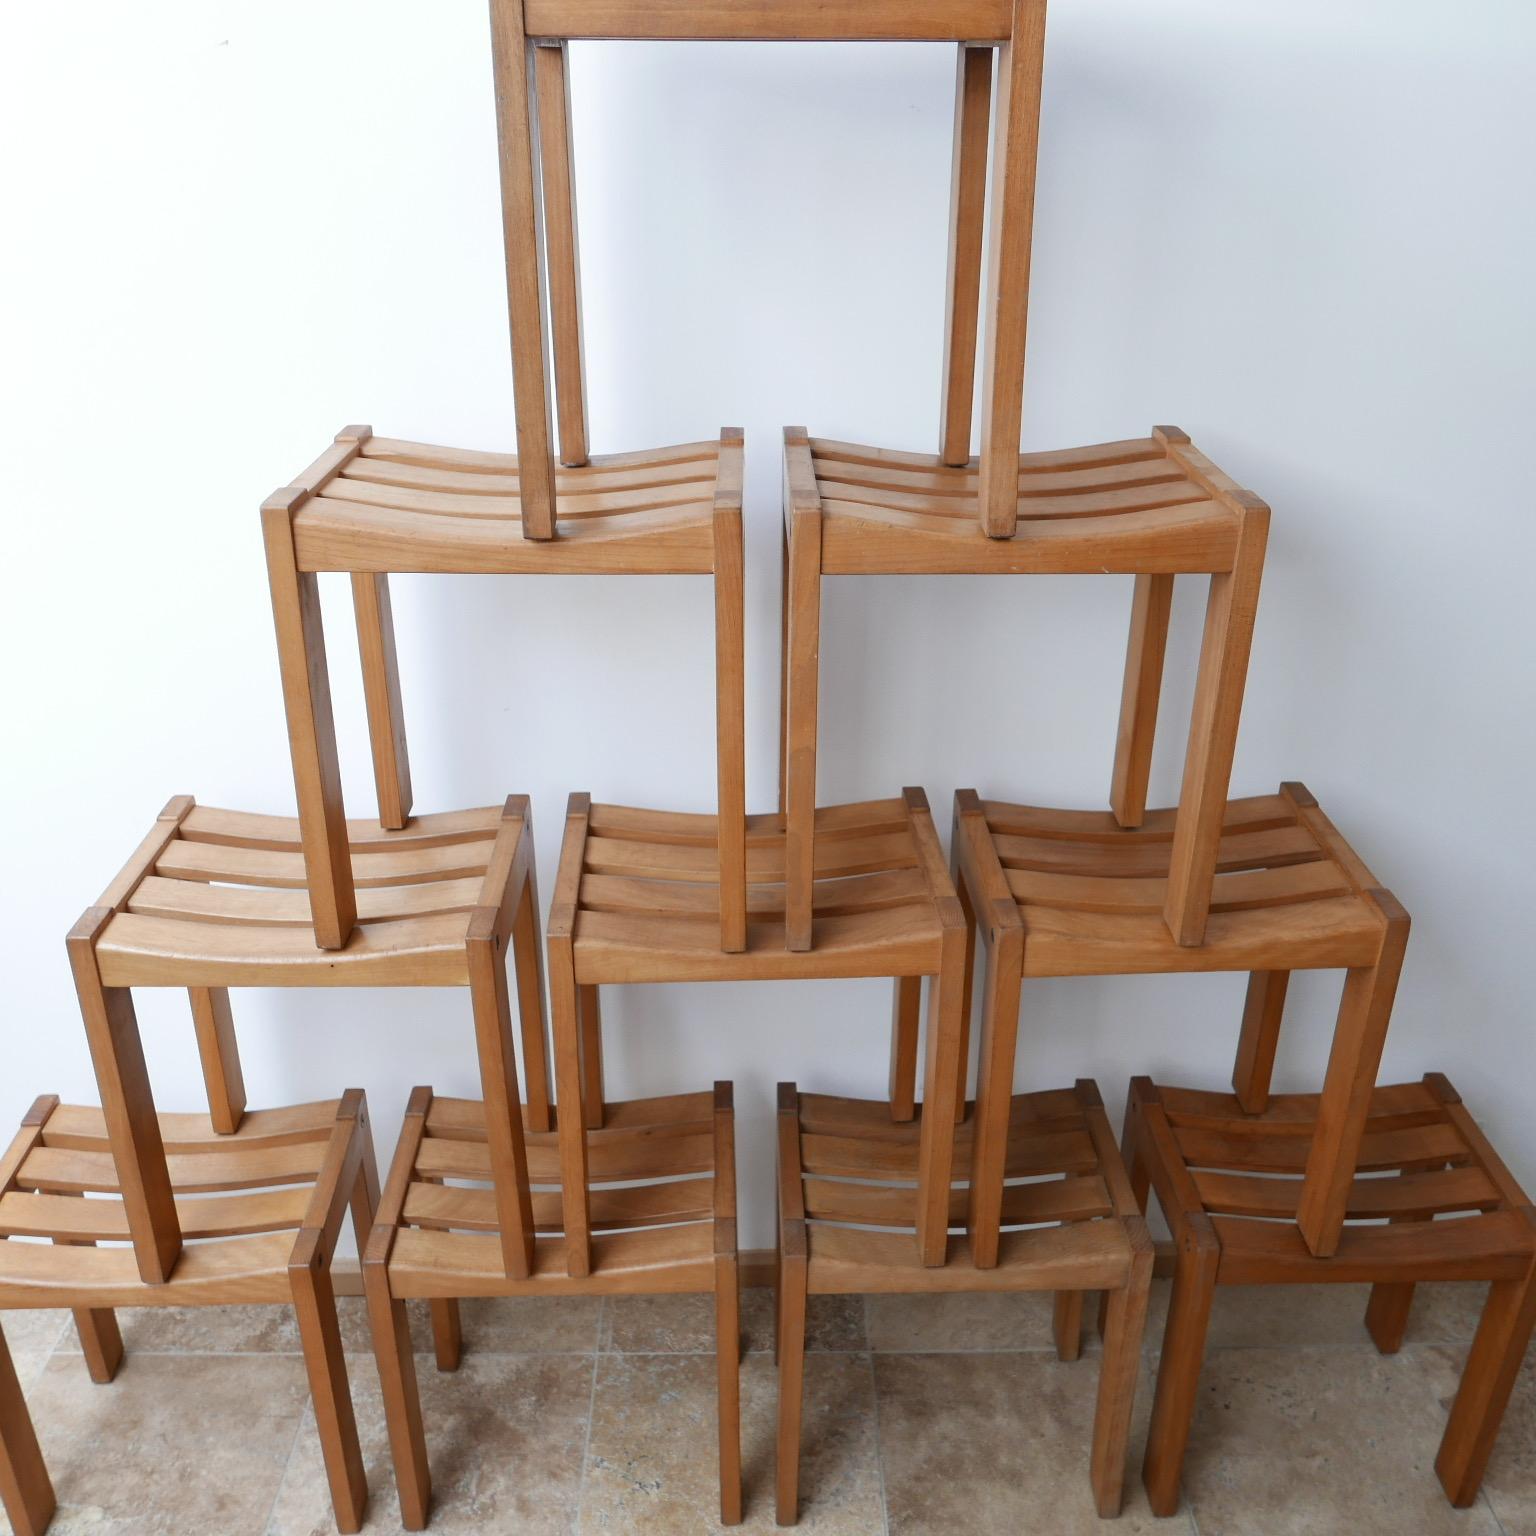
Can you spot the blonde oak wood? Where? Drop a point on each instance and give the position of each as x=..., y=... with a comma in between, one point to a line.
x=1460, y=1216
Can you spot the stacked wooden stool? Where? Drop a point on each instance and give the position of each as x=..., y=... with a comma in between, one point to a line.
x=544, y=1185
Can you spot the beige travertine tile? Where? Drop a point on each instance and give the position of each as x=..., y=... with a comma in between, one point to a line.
x=505, y=1325
x=652, y=1462
x=1311, y=1316
x=34, y=1330
x=914, y=1324
x=171, y=1448
x=998, y=1443
x=1287, y=1442
x=505, y=1437
x=685, y=1325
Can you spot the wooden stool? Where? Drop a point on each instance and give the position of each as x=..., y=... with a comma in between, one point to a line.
x=370, y=506
x=1071, y=893
x=301, y=1167
x=645, y=1205
x=846, y=1170
x=1150, y=507
x=1225, y=1176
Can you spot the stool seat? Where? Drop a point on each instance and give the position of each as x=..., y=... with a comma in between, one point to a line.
x=220, y=898
x=251, y=1190
x=652, y=1171
x=1289, y=893
x=1145, y=505
x=647, y=894
x=1228, y=1183
x=383, y=504
x=859, y=1172
x=1245, y=1170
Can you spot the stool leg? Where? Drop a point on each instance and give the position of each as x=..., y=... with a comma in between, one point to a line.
x=1497, y=1351
x=1386, y=1313
x=1124, y=1324
x=906, y=1018
x=26, y=1495
x=1067, y=1324
x=591, y=1017
x=314, y=1302
x=447, y=1333
x=1141, y=1185
x=728, y=1384
x=791, y=1335
x=1178, y=1374
x=101, y=1342
x=402, y=1399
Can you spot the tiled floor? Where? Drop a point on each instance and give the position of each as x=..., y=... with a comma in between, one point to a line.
x=924, y=1414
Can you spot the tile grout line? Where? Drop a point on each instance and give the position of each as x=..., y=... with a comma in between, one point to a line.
x=1493, y=1514
x=586, y=1443
x=282, y=1478
x=874, y=1397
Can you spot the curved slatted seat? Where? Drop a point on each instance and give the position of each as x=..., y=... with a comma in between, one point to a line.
x=858, y=1173
x=382, y=504
x=217, y=898
x=1145, y=506
x=646, y=896
x=658, y=1187
x=240, y=1200
x=1289, y=893
x=1430, y=1200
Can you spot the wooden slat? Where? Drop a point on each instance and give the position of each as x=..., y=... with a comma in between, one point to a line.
x=629, y=1159
x=654, y=1260
x=1080, y=1198
x=333, y=535
x=157, y=951
x=60, y=1170
x=1137, y=857
x=66, y=1217
x=240, y=1271
x=1240, y=891
x=678, y=1114
x=268, y=906
x=244, y=829
x=454, y=1207
x=183, y=860
x=1194, y=536
x=1413, y=1196
x=1496, y=1246
x=1392, y=1106
x=1430, y=1144
x=785, y=21
x=1084, y=1255
x=84, y=1128
x=600, y=469
x=1028, y=1156
x=1252, y=813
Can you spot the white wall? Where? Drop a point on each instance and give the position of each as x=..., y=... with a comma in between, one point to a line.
x=1304, y=232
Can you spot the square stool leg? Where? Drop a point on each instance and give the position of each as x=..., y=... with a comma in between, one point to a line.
x=26, y=1495
x=1178, y=1372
